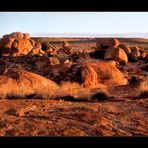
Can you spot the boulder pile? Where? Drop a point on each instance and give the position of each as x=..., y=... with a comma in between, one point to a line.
x=112, y=49
x=16, y=44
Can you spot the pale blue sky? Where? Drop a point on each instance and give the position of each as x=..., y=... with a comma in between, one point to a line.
x=73, y=22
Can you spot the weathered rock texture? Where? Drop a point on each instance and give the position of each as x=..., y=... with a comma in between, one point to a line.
x=21, y=84
x=105, y=73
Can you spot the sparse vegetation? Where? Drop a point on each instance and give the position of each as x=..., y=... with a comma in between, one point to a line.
x=143, y=90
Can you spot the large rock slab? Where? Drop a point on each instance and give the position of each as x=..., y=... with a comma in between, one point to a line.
x=17, y=83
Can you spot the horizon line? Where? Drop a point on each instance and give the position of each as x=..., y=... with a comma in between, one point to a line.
x=89, y=35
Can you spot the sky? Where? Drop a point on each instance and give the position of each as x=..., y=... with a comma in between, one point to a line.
x=44, y=23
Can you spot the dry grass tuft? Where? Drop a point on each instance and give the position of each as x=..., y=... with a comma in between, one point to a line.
x=72, y=91
x=143, y=89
